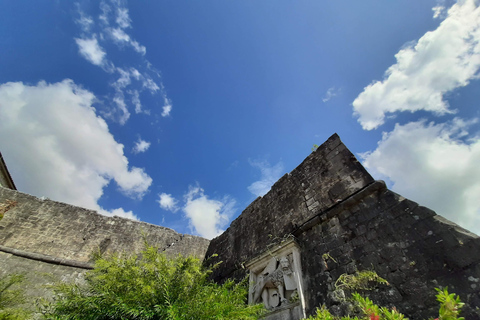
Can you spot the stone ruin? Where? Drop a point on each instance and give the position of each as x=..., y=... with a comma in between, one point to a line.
x=325, y=219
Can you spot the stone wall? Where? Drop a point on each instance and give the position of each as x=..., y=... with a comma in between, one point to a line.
x=67, y=232
x=50, y=241
x=344, y=221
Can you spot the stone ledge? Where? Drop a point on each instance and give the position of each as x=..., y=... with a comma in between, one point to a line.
x=46, y=258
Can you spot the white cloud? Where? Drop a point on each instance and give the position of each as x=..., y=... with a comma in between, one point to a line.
x=123, y=20
x=91, y=50
x=331, y=92
x=85, y=22
x=167, y=202
x=60, y=148
x=438, y=12
x=269, y=175
x=149, y=84
x=207, y=216
x=122, y=108
x=120, y=37
x=141, y=146
x=433, y=165
x=111, y=27
x=136, y=101
x=167, y=108
x=119, y=212
x=441, y=61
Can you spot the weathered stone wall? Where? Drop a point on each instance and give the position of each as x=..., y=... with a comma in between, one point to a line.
x=68, y=232
x=38, y=276
x=50, y=241
x=410, y=246
x=325, y=177
x=345, y=221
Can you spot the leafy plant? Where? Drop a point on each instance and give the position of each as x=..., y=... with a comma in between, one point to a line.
x=450, y=305
x=11, y=298
x=361, y=280
x=150, y=286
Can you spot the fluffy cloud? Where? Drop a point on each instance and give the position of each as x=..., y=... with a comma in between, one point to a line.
x=59, y=148
x=441, y=61
x=207, y=216
x=269, y=175
x=91, y=50
x=167, y=202
x=435, y=165
x=141, y=146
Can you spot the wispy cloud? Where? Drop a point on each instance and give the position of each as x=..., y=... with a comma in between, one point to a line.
x=441, y=61
x=331, y=93
x=76, y=156
x=269, y=175
x=112, y=27
x=141, y=146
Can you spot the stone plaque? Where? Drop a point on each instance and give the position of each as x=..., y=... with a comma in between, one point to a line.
x=276, y=281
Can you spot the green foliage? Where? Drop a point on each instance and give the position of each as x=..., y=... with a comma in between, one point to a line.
x=361, y=280
x=315, y=147
x=450, y=305
x=150, y=286
x=11, y=298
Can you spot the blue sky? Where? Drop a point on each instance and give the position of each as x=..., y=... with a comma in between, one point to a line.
x=181, y=113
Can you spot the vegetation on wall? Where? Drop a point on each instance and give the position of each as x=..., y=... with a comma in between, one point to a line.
x=150, y=286
x=366, y=309
x=450, y=306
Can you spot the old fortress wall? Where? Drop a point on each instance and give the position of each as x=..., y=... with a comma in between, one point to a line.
x=342, y=221
x=326, y=218
x=49, y=240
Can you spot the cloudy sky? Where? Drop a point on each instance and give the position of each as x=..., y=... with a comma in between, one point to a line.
x=180, y=113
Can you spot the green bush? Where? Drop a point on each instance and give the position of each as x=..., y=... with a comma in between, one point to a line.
x=150, y=286
x=11, y=298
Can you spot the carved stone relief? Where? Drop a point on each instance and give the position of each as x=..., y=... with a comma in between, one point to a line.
x=276, y=280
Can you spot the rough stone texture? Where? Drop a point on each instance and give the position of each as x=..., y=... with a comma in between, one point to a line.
x=50, y=241
x=345, y=221
x=38, y=276
x=68, y=232
x=325, y=177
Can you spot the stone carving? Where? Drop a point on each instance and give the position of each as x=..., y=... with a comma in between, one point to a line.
x=274, y=282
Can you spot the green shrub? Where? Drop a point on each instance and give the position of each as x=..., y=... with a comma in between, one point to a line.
x=11, y=298
x=150, y=286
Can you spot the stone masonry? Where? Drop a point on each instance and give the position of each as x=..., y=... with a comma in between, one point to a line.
x=50, y=241
x=344, y=221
